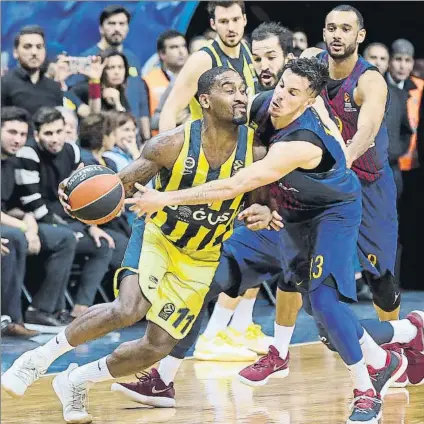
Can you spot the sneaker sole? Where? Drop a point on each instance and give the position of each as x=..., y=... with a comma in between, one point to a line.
x=56, y=388
x=278, y=374
x=397, y=385
x=158, y=402
x=202, y=356
x=10, y=391
x=398, y=373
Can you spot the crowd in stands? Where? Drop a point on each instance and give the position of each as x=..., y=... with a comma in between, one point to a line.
x=99, y=108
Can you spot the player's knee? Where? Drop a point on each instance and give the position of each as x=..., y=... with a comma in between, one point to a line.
x=158, y=341
x=130, y=306
x=323, y=336
x=386, y=294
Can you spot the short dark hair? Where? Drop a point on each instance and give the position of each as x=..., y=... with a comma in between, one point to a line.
x=274, y=29
x=113, y=10
x=315, y=70
x=212, y=5
x=92, y=130
x=13, y=113
x=348, y=8
x=29, y=29
x=105, y=54
x=166, y=35
x=46, y=115
x=208, y=78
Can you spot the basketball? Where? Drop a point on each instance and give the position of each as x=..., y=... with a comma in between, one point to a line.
x=95, y=194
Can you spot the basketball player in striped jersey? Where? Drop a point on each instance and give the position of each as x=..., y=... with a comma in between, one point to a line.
x=170, y=259
x=228, y=19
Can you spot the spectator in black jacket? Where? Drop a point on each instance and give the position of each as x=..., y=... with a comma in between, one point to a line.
x=27, y=85
x=44, y=163
x=53, y=247
x=397, y=115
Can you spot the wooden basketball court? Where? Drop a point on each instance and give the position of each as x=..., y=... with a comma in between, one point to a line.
x=316, y=391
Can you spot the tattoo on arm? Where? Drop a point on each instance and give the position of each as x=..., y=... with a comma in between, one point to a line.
x=159, y=152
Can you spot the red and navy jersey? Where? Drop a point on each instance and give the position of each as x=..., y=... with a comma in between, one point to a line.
x=303, y=193
x=345, y=111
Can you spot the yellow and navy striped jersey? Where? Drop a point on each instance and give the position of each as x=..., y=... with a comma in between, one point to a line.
x=201, y=227
x=243, y=65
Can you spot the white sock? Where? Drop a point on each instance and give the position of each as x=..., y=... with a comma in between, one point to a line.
x=374, y=355
x=282, y=338
x=404, y=331
x=243, y=315
x=94, y=372
x=360, y=377
x=55, y=347
x=168, y=368
x=218, y=321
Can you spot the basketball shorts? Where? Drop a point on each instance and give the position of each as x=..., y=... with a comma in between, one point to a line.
x=174, y=282
x=321, y=247
x=378, y=233
x=252, y=257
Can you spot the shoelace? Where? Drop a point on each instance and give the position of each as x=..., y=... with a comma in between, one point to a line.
x=79, y=397
x=264, y=362
x=364, y=403
x=144, y=377
x=29, y=372
x=254, y=331
x=225, y=338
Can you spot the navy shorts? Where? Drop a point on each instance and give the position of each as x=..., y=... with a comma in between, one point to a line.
x=378, y=233
x=321, y=247
x=249, y=258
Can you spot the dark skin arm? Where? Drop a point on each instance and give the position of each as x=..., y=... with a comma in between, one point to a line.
x=159, y=152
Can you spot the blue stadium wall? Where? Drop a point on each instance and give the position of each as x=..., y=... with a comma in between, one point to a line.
x=72, y=26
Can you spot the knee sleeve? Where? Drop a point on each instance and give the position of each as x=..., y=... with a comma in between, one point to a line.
x=386, y=294
x=325, y=338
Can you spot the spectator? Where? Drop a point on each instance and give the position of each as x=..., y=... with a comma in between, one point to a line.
x=411, y=210
x=397, y=115
x=97, y=136
x=400, y=68
x=26, y=86
x=71, y=124
x=125, y=149
x=196, y=43
x=114, y=26
x=300, y=40
x=44, y=163
x=173, y=53
x=107, y=86
x=56, y=245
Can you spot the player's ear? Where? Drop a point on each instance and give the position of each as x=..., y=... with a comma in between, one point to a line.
x=212, y=24
x=312, y=100
x=361, y=35
x=204, y=101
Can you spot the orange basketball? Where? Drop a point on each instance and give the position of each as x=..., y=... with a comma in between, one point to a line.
x=96, y=194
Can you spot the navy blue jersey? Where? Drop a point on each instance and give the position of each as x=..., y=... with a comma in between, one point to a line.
x=303, y=192
x=345, y=111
